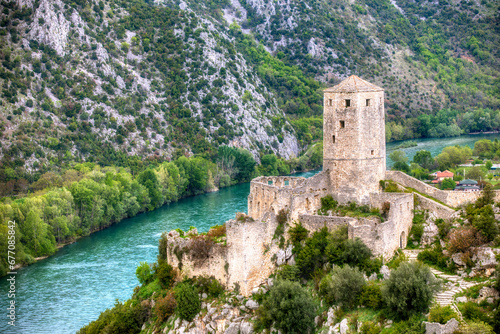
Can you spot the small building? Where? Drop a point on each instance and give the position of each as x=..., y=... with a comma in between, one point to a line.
x=440, y=176
x=467, y=185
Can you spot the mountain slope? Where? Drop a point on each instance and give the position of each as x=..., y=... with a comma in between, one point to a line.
x=117, y=81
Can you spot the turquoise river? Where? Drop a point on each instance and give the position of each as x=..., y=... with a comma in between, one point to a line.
x=68, y=290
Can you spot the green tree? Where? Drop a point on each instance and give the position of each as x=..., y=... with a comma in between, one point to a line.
x=410, y=289
x=424, y=159
x=289, y=308
x=343, y=287
x=144, y=273
x=448, y=184
x=188, y=301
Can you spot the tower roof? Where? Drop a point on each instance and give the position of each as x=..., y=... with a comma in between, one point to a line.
x=353, y=84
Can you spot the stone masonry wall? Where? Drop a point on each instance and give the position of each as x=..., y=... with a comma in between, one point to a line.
x=250, y=249
x=298, y=195
x=317, y=222
x=214, y=265
x=440, y=210
x=354, y=144
x=385, y=238
x=451, y=198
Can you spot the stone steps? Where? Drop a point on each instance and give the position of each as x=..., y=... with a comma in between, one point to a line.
x=444, y=297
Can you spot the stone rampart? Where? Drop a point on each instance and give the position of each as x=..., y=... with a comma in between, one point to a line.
x=317, y=222
x=385, y=238
x=451, y=198
x=298, y=195
x=179, y=256
x=440, y=210
x=250, y=251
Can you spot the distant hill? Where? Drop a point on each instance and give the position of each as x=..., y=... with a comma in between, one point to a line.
x=107, y=80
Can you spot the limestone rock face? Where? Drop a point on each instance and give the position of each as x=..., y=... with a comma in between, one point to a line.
x=484, y=257
x=344, y=327
x=385, y=271
x=252, y=304
x=436, y=328
x=430, y=232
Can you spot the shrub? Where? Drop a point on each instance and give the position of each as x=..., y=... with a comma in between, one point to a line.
x=410, y=289
x=369, y=327
x=298, y=233
x=462, y=239
x=475, y=328
x=434, y=256
x=289, y=308
x=356, y=252
x=412, y=326
x=209, y=285
x=328, y=203
x=165, y=307
x=164, y=273
x=342, y=287
x=122, y=318
x=371, y=296
x=200, y=247
x=217, y=231
x=144, y=273
x=442, y=314
x=472, y=311
x=288, y=273
x=188, y=301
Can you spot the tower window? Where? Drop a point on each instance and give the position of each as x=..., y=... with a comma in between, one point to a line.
x=333, y=139
x=367, y=102
x=330, y=102
x=342, y=124
x=373, y=152
x=347, y=103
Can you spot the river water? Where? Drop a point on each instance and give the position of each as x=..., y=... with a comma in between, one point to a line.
x=68, y=290
x=436, y=145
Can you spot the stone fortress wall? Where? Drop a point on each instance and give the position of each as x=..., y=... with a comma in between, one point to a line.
x=354, y=164
x=450, y=198
x=297, y=195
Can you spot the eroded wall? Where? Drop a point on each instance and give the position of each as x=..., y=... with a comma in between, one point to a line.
x=297, y=195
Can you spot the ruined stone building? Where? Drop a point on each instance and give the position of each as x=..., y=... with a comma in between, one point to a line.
x=354, y=164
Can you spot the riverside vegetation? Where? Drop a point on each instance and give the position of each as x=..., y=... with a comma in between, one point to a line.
x=88, y=197
x=333, y=278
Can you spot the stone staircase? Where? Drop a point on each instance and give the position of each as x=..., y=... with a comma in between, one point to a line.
x=455, y=284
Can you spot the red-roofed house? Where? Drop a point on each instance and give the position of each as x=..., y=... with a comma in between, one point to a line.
x=440, y=176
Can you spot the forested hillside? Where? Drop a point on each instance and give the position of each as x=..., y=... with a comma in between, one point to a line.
x=124, y=83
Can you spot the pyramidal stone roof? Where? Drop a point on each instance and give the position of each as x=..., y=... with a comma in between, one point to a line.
x=353, y=84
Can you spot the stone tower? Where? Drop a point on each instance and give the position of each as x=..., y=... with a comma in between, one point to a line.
x=354, y=139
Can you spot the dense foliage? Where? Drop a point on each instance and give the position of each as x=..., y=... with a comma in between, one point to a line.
x=410, y=289
x=289, y=308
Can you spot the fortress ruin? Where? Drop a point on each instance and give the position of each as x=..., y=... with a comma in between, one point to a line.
x=353, y=168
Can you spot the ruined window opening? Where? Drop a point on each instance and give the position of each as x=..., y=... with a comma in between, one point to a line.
x=342, y=124
x=373, y=152
x=347, y=103
x=367, y=102
x=287, y=183
x=270, y=182
x=330, y=102
x=333, y=139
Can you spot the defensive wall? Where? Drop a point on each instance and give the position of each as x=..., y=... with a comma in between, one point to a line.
x=298, y=195
x=449, y=197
